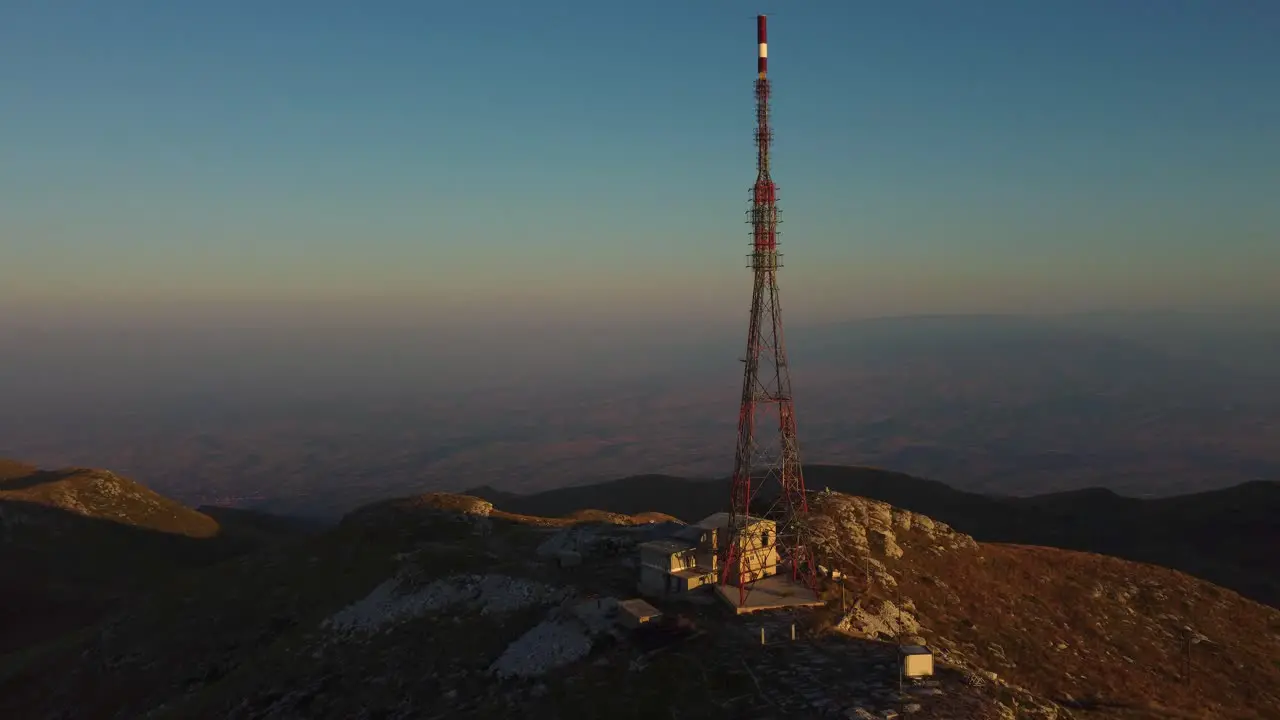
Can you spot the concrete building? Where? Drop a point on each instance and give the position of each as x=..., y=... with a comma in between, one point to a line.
x=758, y=556
x=669, y=567
x=689, y=558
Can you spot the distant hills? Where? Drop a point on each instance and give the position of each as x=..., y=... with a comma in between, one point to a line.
x=1225, y=536
x=321, y=422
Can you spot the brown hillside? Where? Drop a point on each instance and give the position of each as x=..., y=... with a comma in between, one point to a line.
x=1020, y=631
x=103, y=495
x=405, y=609
x=1091, y=632
x=394, y=513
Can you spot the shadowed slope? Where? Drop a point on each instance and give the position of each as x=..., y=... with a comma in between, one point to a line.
x=1091, y=632
x=76, y=542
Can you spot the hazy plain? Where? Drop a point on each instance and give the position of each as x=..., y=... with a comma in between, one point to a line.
x=318, y=419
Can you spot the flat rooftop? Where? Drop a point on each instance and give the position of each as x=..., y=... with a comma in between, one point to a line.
x=669, y=547
x=691, y=573
x=637, y=607
x=721, y=520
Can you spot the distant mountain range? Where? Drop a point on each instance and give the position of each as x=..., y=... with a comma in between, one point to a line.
x=1227, y=536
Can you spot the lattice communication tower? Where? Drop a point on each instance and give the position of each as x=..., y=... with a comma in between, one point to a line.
x=767, y=480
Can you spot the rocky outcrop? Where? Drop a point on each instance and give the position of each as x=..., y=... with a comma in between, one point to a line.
x=429, y=516
x=882, y=621
x=856, y=529
x=884, y=542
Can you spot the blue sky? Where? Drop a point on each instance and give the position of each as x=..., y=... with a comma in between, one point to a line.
x=480, y=160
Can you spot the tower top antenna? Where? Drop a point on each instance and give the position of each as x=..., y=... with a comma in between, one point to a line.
x=762, y=44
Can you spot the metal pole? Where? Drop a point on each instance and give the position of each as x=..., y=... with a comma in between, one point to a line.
x=899, y=614
x=900, y=656
x=866, y=526
x=900, y=663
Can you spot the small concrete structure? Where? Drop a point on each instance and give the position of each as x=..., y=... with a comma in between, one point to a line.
x=569, y=558
x=655, y=582
x=917, y=661
x=636, y=612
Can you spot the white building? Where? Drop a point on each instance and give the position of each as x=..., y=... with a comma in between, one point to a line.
x=690, y=558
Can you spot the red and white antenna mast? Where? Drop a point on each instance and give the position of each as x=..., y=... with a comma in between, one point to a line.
x=767, y=480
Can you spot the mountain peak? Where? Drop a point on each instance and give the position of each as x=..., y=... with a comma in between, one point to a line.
x=103, y=495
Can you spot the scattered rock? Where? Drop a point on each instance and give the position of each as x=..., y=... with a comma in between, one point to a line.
x=887, y=622
x=550, y=644
x=394, y=601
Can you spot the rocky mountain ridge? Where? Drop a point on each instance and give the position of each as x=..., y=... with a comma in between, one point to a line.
x=101, y=495
x=1224, y=536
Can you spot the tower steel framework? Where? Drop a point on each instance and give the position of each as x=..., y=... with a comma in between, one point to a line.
x=767, y=479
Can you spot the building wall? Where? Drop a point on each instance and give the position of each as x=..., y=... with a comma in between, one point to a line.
x=758, y=552
x=749, y=571
x=653, y=581
x=684, y=561
x=707, y=556
x=707, y=560
x=666, y=560
x=698, y=581
x=754, y=559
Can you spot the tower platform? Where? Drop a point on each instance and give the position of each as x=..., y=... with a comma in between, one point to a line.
x=775, y=592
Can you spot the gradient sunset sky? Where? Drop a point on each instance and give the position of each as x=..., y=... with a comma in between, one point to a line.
x=482, y=160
